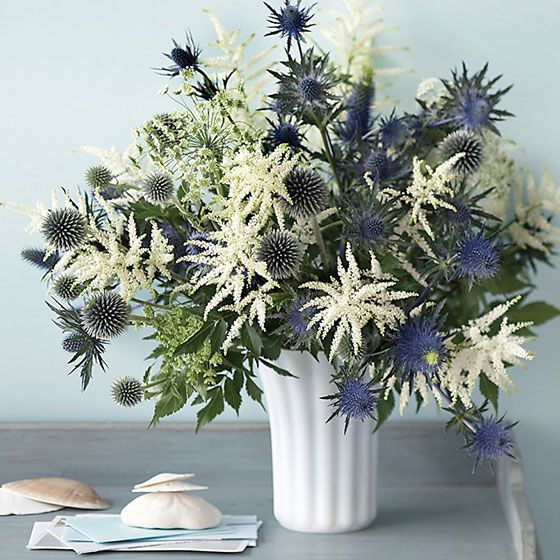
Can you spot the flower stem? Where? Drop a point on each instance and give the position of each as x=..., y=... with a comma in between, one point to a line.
x=449, y=402
x=320, y=242
x=327, y=144
x=149, y=303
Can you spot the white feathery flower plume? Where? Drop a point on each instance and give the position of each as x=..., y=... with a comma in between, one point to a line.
x=481, y=352
x=120, y=165
x=353, y=300
x=532, y=227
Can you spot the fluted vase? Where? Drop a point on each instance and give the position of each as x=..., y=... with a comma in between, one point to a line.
x=324, y=480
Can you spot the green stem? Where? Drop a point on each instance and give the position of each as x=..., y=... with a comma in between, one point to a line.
x=149, y=303
x=320, y=243
x=327, y=144
x=139, y=319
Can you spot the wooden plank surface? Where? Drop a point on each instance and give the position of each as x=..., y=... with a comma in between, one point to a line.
x=430, y=505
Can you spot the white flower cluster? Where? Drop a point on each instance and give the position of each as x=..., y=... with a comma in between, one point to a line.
x=533, y=208
x=483, y=353
x=353, y=300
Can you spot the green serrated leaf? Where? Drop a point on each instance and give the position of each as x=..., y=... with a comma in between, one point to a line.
x=252, y=339
x=218, y=336
x=489, y=390
x=195, y=341
x=168, y=404
x=538, y=312
x=277, y=369
x=253, y=390
x=232, y=394
x=384, y=409
x=213, y=408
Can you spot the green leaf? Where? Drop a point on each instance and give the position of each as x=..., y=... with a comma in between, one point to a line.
x=218, y=336
x=384, y=409
x=538, y=312
x=195, y=341
x=253, y=390
x=168, y=404
x=277, y=369
x=232, y=394
x=251, y=339
x=506, y=284
x=489, y=390
x=213, y=408
x=271, y=348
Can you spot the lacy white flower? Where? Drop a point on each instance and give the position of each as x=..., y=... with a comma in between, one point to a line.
x=534, y=206
x=430, y=91
x=120, y=165
x=256, y=183
x=353, y=300
x=481, y=352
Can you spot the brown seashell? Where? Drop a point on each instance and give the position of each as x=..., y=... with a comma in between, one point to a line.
x=60, y=491
x=15, y=504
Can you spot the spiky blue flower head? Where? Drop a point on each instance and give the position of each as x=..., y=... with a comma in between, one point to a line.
x=158, y=187
x=38, y=257
x=378, y=165
x=462, y=213
x=127, y=391
x=283, y=132
x=468, y=144
x=281, y=252
x=355, y=399
x=358, y=112
x=105, y=315
x=183, y=58
x=470, y=101
x=476, y=257
x=491, y=440
x=73, y=343
x=63, y=228
x=98, y=177
x=307, y=191
x=193, y=249
x=297, y=317
x=418, y=347
x=393, y=131
x=290, y=21
x=368, y=227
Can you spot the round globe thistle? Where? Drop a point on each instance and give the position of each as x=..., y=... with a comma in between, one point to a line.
x=158, y=187
x=98, y=177
x=38, y=257
x=297, y=319
x=63, y=228
x=378, y=164
x=463, y=142
x=281, y=252
x=476, y=257
x=462, y=213
x=105, y=315
x=368, y=227
x=417, y=347
x=310, y=89
x=490, y=441
x=127, y=391
x=73, y=343
x=283, y=133
x=393, y=131
x=66, y=287
x=307, y=190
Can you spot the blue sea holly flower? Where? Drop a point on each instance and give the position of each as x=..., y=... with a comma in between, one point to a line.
x=290, y=21
x=283, y=133
x=380, y=166
x=38, y=257
x=355, y=399
x=358, y=112
x=368, y=227
x=476, y=257
x=418, y=347
x=462, y=213
x=183, y=58
x=393, y=131
x=297, y=319
x=490, y=441
x=471, y=103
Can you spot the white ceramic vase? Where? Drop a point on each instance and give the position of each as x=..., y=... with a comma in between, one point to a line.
x=325, y=480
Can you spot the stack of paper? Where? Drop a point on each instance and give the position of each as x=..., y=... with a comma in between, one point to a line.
x=104, y=532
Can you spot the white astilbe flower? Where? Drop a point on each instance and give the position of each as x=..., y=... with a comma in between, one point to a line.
x=120, y=165
x=353, y=300
x=230, y=253
x=106, y=261
x=431, y=91
x=355, y=33
x=483, y=353
x=533, y=207
x=256, y=183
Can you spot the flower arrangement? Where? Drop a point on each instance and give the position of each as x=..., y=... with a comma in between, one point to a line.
x=284, y=209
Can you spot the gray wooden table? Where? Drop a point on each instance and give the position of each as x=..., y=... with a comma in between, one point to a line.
x=430, y=505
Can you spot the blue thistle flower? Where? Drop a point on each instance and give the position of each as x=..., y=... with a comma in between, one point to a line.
x=490, y=441
x=187, y=57
x=471, y=103
x=105, y=315
x=281, y=252
x=290, y=21
x=63, y=228
x=192, y=249
x=36, y=257
x=355, y=399
x=379, y=165
x=476, y=257
x=73, y=343
x=463, y=142
x=462, y=213
x=368, y=227
x=358, y=112
x=283, y=132
x=393, y=131
x=297, y=319
x=418, y=347
x=307, y=191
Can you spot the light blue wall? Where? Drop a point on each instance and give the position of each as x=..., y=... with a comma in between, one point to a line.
x=76, y=72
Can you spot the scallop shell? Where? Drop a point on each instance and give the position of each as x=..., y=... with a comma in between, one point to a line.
x=60, y=491
x=14, y=504
x=170, y=510
x=162, y=478
x=172, y=486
